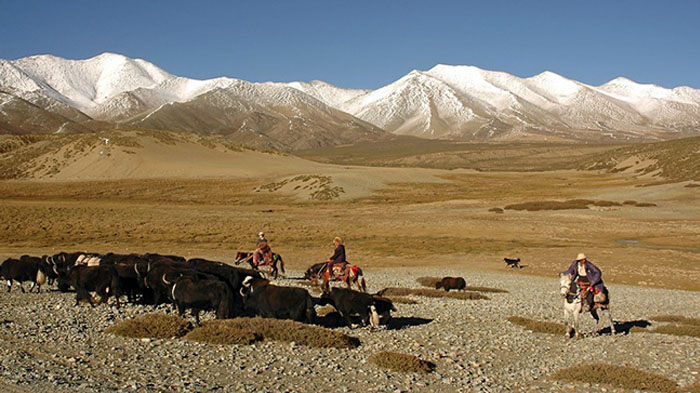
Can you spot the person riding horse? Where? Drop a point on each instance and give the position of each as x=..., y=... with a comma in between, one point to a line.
x=263, y=253
x=338, y=256
x=589, y=279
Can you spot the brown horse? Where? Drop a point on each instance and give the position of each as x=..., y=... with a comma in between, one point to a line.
x=349, y=274
x=270, y=268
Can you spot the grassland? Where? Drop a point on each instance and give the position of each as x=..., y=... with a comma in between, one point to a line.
x=421, y=218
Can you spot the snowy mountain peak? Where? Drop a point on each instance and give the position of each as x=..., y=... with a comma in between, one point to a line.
x=446, y=101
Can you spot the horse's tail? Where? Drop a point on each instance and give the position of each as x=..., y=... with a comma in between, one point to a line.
x=281, y=263
x=361, y=277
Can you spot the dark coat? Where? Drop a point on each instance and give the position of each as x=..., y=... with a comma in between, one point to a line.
x=595, y=276
x=339, y=255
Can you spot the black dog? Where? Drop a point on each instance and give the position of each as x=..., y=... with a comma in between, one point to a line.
x=513, y=262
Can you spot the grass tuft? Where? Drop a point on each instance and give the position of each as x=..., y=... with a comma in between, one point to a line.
x=401, y=362
x=403, y=300
x=430, y=282
x=393, y=291
x=151, y=326
x=537, y=326
x=267, y=329
x=678, y=330
x=221, y=333
x=618, y=376
x=676, y=319
x=572, y=204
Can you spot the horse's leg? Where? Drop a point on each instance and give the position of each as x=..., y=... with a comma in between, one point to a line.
x=576, y=312
x=608, y=315
x=567, y=321
x=594, y=314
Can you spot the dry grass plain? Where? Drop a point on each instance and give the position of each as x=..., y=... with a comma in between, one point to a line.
x=390, y=217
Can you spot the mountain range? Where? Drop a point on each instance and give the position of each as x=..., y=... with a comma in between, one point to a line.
x=49, y=94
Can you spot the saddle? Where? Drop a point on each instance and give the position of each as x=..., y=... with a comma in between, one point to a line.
x=344, y=270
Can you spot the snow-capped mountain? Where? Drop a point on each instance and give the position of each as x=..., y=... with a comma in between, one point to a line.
x=466, y=102
x=451, y=102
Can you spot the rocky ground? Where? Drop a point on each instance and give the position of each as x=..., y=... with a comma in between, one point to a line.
x=49, y=345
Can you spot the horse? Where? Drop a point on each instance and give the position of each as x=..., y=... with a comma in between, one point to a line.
x=314, y=271
x=271, y=267
x=347, y=273
x=573, y=306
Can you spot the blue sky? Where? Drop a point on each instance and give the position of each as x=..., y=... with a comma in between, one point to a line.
x=369, y=43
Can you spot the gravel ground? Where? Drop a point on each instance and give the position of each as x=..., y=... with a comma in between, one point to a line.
x=50, y=345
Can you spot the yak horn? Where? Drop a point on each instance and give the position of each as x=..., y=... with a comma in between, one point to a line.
x=166, y=281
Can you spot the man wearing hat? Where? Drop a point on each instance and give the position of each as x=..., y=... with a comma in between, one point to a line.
x=263, y=252
x=589, y=278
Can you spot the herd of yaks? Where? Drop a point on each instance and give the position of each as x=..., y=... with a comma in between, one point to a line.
x=195, y=284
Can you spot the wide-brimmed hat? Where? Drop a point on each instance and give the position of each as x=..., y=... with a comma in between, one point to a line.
x=581, y=256
x=261, y=234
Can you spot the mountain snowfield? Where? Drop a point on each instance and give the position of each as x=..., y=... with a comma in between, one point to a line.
x=448, y=102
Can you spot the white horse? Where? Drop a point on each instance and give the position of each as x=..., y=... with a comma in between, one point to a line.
x=573, y=306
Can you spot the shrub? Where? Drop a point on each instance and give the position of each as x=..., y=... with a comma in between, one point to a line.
x=571, y=204
x=401, y=362
x=431, y=281
x=678, y=330
x=618, y=376
x=392, y=291
x=152, y=326
x=676, y=319
x=403, y=300
x=268, y=329
x=629, y=203
x=428, y=281
x=692, y=185
x=496, y=210
x=222, y=333
x=646, y=204
x=537, y=326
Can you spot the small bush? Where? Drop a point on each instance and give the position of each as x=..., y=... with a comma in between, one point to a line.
x=152, y=326
x=485, y=289
x=676, y=319
x=428, y=281
x=213, y=333
x=497, y=210
x=646, y=204
x=629, y=203
x=618, y=376
x=678, y=330
x=692, y=185
x=403, y=300
x=537, y=326
x=392, y=291
x=268, y=329
x=571, y=204
x=401, y=362
x=431, y=281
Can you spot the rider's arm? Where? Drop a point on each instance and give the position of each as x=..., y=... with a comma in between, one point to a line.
x=571, y=270
x=594, y=274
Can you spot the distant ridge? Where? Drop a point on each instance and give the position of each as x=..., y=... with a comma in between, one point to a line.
x=49, y=94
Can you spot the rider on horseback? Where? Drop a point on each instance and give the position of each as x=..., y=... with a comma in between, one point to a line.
x=589, y=279
x=263, y=252
x=338, y=256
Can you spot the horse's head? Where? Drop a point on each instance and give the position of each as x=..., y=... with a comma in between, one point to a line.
x=565, y=281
